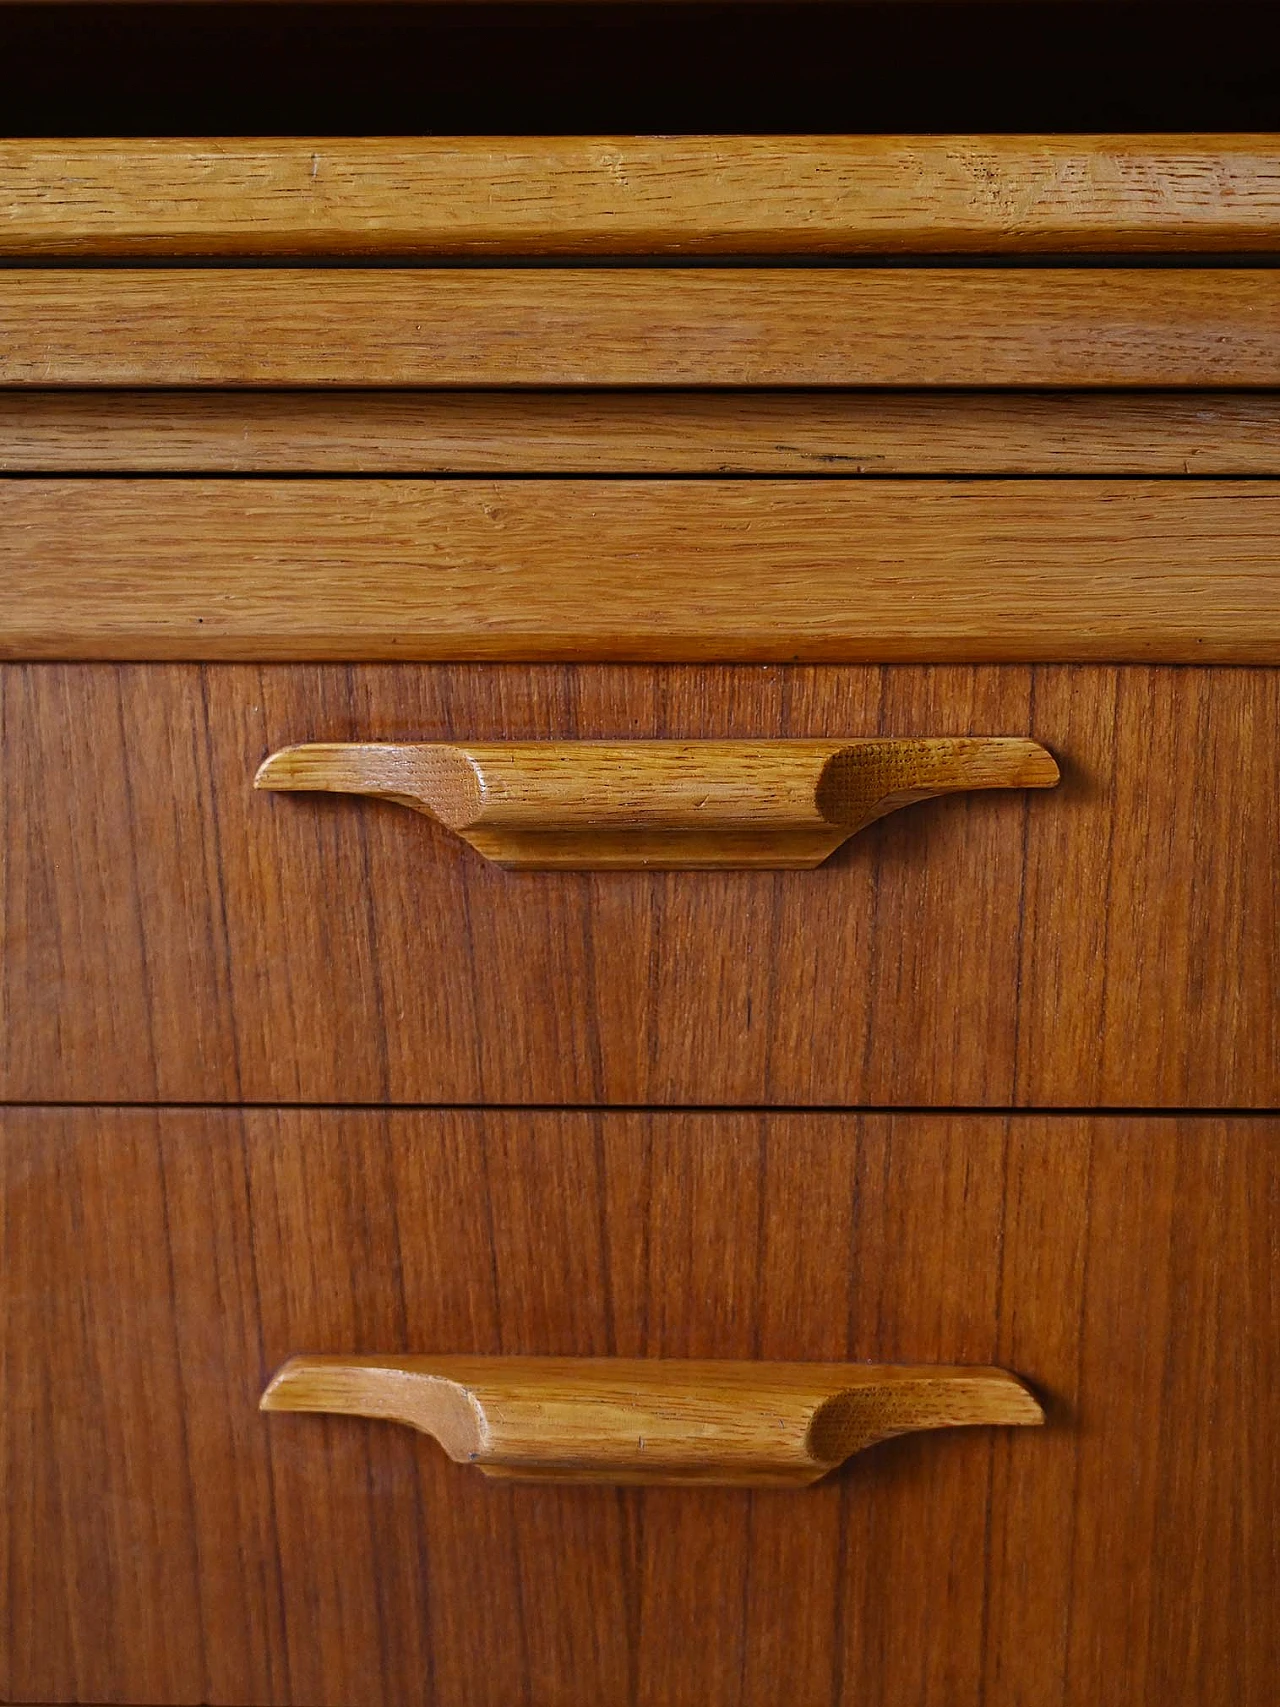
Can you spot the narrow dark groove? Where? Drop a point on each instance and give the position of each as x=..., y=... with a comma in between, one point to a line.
x=955, y=260
x=994, y=1110
x=596, y=476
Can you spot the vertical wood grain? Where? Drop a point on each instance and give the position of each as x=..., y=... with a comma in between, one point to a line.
x=171, y=935
x=161, y=1262
x=1162, y=943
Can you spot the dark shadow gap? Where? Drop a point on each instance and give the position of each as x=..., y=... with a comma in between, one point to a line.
x=281, y=69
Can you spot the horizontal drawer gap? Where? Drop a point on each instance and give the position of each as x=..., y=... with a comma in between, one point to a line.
x=946, y=434
x=743, y=260
x=606, y=476
x=1014, y=1111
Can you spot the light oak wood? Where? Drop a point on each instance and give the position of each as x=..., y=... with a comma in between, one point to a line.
x=853, y=570
x=619, y=432
x=164, y=1542
x=1114, y=942
x=617, y=195
x=665, y=805
x=668, y=1421
x=641, y=326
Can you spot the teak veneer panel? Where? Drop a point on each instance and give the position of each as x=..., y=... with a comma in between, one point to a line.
x=640, y=432
x=616, y=195
x=167, y=1543
x=839, y=570
x=643, y=326
x=172, y=935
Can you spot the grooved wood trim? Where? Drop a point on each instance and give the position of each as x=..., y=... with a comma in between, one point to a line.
x=641, y=326
x=622, y=195
x=640, y=569
x=638, y=432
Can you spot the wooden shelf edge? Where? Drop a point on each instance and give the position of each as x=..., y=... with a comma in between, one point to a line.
x=836, y=571
x=632, y=195
x=988, y=433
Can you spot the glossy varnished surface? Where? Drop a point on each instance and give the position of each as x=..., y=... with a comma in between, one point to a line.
x=168, y=1543
x=171, y=934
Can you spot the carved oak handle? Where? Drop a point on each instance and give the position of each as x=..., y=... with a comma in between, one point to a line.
x=607, y=1419
x=663, y=804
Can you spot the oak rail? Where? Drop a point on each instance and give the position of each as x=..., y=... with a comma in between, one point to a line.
x=841, y=571
x=626, y=195
x=451, y=327
x=640, y=432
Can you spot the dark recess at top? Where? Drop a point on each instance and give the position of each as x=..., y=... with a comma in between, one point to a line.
x=228, y=69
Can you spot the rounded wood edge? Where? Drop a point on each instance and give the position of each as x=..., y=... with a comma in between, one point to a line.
x=382, y=1389
x=619, y=1420
x=710, y=195
x=664, y=804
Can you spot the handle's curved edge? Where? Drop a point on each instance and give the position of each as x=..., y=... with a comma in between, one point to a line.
x=654, y=1420
x=386, y=1389
x=435, y=778
x=588, y=805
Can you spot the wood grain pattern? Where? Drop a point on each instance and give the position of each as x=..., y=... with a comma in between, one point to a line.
x=1114, y=942
x=673, y=432
x=667, y=1421
x=838, y=570
x=1199, y=327
x=166, y=1543
x=625, y=195
x=660, y=805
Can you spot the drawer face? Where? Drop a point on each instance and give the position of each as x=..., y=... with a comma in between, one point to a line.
x=171, y=935
x=167, y=1542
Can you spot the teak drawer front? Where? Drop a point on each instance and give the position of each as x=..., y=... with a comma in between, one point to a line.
x=168, y=1543
x=172, y=935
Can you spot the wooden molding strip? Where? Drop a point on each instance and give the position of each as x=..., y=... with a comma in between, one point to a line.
x=630, y=195
x=652, y=1420
x=638, y=432
x=661, y=805
x=461, y=327
x=837, y=570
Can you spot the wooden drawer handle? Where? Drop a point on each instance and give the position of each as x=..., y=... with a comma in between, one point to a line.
x=613, y=1419
x=667, y=804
